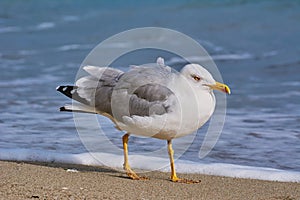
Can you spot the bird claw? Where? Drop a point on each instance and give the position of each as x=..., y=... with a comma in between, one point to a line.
x=134, y=176
x=179, y=180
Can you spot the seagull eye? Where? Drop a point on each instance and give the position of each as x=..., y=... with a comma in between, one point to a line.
x=196, y=78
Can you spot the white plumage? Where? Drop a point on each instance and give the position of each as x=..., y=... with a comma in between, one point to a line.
x=151, y=101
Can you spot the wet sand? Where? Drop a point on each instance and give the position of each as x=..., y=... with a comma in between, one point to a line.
x=54, y=181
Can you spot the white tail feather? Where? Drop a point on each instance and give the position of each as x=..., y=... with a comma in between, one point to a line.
x=94, y=71
x=87, y=87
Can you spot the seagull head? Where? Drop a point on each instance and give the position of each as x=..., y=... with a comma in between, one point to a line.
x=199, y=77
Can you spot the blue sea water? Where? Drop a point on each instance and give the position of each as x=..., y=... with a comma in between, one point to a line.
x=255, y=45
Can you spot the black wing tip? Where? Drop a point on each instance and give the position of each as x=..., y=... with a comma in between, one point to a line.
x=62, y=88
x=62, y=109
x=65, y=87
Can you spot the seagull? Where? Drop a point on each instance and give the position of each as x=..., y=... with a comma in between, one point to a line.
x=150, y=101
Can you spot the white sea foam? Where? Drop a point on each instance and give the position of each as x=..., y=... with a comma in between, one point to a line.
x=210, y=45
x=152, y=163
x=222, y=57
x=45, y=25
x=242, y=56
x=70, y=47
x=29, y=81
x=9, y=29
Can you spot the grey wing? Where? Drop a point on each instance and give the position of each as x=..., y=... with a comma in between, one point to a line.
x=97, y=88
x=146, y=90
x=149, y=99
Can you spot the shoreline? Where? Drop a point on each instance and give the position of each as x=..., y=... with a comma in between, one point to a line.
x=37, y=180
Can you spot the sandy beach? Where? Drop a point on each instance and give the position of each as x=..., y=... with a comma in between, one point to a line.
x=56, y=181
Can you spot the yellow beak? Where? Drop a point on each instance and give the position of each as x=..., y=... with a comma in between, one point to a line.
x=221, y=87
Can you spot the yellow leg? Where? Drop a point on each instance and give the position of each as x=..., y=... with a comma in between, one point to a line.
x=171, y=155
x=126, y=165
x=174, y=177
